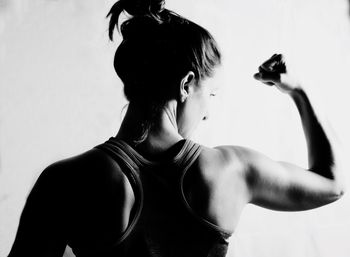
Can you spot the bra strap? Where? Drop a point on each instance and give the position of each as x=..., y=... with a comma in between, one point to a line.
x=191, y=152
x=131, y=171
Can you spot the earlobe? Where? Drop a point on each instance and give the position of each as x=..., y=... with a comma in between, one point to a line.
x=185, y=85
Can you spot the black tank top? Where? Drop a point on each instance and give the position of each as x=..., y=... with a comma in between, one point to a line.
x=162, y=224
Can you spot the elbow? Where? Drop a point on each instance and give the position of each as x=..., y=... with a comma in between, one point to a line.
x=341, y=191
x=337, y=170
x=339, y=185
x=337, y=181
x=338, y=190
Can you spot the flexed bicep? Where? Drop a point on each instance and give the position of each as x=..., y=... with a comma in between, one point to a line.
x=285, y=186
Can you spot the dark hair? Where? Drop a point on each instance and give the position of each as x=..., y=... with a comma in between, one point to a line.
x=159, y=47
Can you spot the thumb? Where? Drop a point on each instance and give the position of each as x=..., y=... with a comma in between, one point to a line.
x=267, y=79
x=257, y=76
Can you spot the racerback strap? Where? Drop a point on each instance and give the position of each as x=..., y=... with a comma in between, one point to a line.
x=131, y=171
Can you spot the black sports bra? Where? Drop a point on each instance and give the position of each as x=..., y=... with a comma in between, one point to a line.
x=162, y=223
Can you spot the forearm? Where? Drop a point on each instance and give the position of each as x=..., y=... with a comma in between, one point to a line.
x=322, y=155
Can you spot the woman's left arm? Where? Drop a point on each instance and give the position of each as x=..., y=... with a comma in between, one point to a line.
x=41, y=230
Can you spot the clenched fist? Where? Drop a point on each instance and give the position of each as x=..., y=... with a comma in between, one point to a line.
x=273, y=72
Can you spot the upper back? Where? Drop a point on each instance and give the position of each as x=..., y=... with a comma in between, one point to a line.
x=168, y=205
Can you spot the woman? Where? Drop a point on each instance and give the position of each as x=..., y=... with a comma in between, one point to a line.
x=150, y=191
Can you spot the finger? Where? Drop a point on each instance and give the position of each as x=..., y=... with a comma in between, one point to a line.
x=272, y=62
x=276, y=66
x=273, y=58
x=268, y=77
x=277, y=56
x=265, y=68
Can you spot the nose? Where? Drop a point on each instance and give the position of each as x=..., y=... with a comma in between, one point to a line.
x=205, y=117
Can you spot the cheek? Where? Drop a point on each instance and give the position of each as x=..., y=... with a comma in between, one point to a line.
x=199, y=107
x=204, y=104
x=189, y=117
x=193, y=113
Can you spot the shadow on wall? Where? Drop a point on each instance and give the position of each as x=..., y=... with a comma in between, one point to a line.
x=4, y=5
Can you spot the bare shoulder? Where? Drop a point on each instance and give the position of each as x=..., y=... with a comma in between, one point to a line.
x=98, y=191
x=83, y=180
x=243, y=158
x=83, y=200
x=89, y=166
x=225, y=158
x=237, y=153
x=222, y=177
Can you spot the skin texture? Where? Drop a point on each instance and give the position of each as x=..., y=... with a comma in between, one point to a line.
x=221, y=182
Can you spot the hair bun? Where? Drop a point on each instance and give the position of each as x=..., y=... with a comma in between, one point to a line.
x=143, y=7
x=136, y=8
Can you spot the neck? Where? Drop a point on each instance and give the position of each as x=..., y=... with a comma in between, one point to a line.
x=162, y=134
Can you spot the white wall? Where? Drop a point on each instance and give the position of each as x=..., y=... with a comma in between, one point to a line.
x=60, y=96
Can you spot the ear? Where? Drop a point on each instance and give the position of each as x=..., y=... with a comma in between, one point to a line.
x=186, y=85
